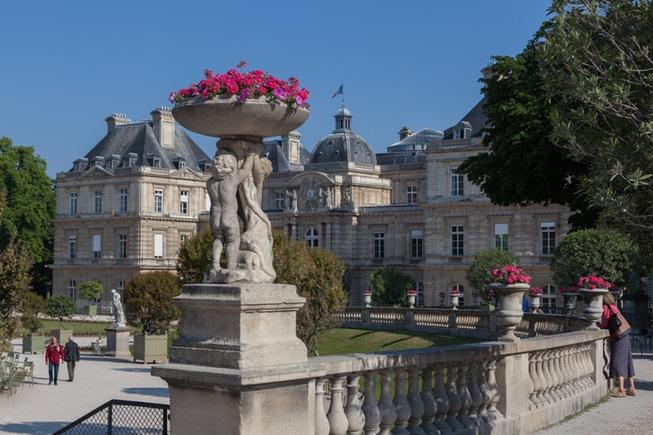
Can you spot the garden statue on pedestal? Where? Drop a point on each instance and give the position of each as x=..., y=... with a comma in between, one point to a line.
x=120, y=312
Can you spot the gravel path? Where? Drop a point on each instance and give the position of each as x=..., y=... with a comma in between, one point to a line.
x=630, y=415
x=43, y=408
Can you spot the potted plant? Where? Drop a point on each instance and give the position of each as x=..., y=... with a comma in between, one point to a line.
x=60, y=307
x=411, y=294
x=148, y=305
x=454, y=296
x=593, y=288
x=32, y=305
x=569, y=295
x=367, y=297
x=91, y=291
x=509, y=283
x=535, y=296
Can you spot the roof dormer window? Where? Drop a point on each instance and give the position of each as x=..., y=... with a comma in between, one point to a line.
x=181, y=164
x=156, y=162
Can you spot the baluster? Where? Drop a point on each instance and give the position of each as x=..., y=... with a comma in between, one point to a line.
x=430, y=407
x=465, y=396
x=589, y=367
x=386, y=406
x=416, y=403
x=485, y=426
x=541, y=399
x=547, y=378
x=583, y=366
x=475, y=391
x=370, y=407
x=455, y=402
x=564, y=372
x=554, y=377
x=336, y=414
x=401, y=402
x=441, y=401
x=495, y=414
x=353, y=410
x=534, y=380
x=575, y=369
x=321, y=421
x=560, y=373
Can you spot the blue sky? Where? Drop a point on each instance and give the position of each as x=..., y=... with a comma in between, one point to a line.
x=66, y=65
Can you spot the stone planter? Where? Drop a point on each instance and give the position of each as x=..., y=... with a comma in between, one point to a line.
x=62, y=334
x=91, y=309
x=454, y=301
x=150, y=348
x=535, y=302
x=593, y=305
x=570, y=302
x=411, y=301
x=33, y=343
x=509, y=310
x=367, y=297
x=227, y=117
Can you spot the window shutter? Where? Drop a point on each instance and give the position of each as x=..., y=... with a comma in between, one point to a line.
x=158, y=245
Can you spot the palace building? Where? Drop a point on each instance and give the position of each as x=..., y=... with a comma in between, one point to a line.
x=130, y=202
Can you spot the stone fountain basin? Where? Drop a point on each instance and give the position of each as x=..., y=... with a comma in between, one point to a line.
x=223, y=117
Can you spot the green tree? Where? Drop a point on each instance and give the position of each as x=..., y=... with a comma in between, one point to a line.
x=33, y=304
x=317, y=274
x=91, y=290
x=195, y=258
x=522, y=165
x=14, y=284
x=30, y=203
x=60, y=307
x=606, y=253
x=597, y=69
x=148, y=301
x=389, y=286
x=478, y=274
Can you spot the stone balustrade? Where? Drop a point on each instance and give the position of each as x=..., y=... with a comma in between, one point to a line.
x=468, y=323
x=480, y=388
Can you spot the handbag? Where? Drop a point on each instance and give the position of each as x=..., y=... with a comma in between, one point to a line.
x=614, y=322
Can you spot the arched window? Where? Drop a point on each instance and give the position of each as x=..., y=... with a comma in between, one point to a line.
x=312, y=238
x=548, y=296
x=461, y=296
x=72, y=290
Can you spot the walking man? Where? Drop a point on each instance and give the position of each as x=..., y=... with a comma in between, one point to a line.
x=71, y=356
x=53, y=357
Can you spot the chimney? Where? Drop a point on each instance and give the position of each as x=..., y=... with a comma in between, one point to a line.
x=404, y=132
x=116, y=119
x=291, y=145
x=163, y=125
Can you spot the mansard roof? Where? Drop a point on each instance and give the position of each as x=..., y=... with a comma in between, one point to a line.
x=476, y=118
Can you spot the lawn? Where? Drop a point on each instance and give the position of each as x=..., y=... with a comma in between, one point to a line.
x=78, y=327
x=343, y=341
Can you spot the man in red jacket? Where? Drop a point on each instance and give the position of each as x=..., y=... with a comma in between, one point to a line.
x=53, y=357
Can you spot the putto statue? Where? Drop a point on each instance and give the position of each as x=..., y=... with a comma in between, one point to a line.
x=120, y=312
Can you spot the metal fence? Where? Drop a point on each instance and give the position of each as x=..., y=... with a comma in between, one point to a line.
x=122, y=417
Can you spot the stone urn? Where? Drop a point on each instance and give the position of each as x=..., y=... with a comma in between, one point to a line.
x=592, y=305
x=535, y=302
x=367, y=298
x=455, y=300
x=570, y=302
x=509, y=310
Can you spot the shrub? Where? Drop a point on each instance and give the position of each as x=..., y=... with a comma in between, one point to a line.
x=148, y=301
x=33, y=303
x=60, y=307
x=31, y=323
x=91, y=290
x=389, y=286
x=606, y=253
x=479, y=272
x=195, y=258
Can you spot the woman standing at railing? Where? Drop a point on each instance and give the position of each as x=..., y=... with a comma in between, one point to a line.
x=621, y=358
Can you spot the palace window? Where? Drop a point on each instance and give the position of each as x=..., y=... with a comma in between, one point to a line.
x=181, y=164
x=156, y=162
x=420, y=294
x=548, y=237
x=183, y=204
x=279, y=201
x=548, y=296
x=457, y=240
x=72, y=290
x=122, y=246
x=158, y=245
x=416, y=243
x=461, y=296
x=97, y=201
x=122, y=205
x=501, y=236
x=379, y=244
x=158, y=201
x=183, y=238
x=72, y=246
x=312, y=238
x=97, y=246
x=457, y=183
x=131, y=162
x=73, y=203
x=411, y=194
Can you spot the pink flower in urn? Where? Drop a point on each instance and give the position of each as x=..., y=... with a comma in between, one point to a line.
x=509, y=274
x=535, y=291
x=592, y=282
x=367, y=292
x=411, y=292
x=454, y=292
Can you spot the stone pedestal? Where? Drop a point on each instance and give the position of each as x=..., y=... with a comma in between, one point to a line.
x=118, y=342
x=238, y=367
